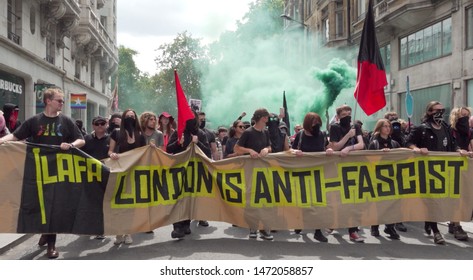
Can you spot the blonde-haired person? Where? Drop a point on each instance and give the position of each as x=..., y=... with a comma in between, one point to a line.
x=49, y=127
x=153, y=136
x=459, y=123
x=382, y=140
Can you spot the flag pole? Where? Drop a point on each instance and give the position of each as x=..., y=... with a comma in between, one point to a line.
x=356, y=96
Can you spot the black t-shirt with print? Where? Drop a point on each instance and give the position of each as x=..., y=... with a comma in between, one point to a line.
x=41, y=129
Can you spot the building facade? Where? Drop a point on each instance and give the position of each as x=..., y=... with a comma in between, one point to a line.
x=429, y=41
x=71, y=44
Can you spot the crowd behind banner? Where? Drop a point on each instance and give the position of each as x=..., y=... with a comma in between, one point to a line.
x=147, y=189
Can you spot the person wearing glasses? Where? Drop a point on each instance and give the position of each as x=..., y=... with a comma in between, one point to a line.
x=235, y=133
x=49, y=127
x=97, y=142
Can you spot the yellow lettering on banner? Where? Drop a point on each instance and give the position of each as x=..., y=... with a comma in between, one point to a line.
x=276, y=186
x=47, y=179
x=80, y=167
x=94, y=168
x=231, y=186
x=39, y=184
x=428, y=177
x=65, y=168
x=144, y=186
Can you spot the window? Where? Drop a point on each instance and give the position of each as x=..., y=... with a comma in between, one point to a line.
x=386, y=56
x=77, y=69
x=422, y=97
x=339, y=24
x=325, y=31
x=469, y=93
x=469, y=27
x=429, y=43
x=50, y=50
x=361, y=9
x=92, y=74
x=13, y=22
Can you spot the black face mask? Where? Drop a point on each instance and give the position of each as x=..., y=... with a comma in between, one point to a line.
x=202, y=124
x=315, y=129
x=463, y=126
x=345, y=121
x=129, y=124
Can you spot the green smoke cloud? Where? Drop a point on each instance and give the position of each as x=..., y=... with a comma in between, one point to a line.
x=337, y=76
x=254, y=74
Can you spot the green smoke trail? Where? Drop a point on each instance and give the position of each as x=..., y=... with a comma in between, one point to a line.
x=337, y=76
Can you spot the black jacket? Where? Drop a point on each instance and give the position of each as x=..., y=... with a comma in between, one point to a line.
x=423, y=137
x=174, y=147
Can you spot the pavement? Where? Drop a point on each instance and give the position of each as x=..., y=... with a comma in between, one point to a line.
x=10, y=240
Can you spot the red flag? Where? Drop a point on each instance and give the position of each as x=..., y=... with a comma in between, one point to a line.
x=184, y=112
x=371, y=76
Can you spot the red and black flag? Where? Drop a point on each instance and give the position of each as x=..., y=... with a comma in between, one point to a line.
x=184, y=111
x=371, y=76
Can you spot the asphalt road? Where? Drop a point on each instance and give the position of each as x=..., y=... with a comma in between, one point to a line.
x=221, y=241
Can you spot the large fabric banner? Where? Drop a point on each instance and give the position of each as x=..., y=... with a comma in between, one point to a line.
x=47, y=190
x=148, y=188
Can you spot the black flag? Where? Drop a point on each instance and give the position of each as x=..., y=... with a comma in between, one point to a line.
x=286, y=114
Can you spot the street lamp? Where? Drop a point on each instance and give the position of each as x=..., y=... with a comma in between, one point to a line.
x=286, y=17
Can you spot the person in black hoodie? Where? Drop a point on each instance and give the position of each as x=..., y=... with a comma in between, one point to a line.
x=192, y=133
x=10, y=113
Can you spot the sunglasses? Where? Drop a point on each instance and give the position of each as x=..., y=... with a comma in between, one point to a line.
x=99, y=123
x=241, y=126
x=274, y=119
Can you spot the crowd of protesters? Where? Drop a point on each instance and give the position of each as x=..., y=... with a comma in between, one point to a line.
x=264, y=133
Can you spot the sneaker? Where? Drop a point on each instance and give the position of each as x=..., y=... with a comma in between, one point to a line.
x=401, y=227
x=203, y=223
x=375, y=231
x=297, y=231
x=177, y=234
x=253, y=233
x=451, y=228
x=438, y=239
x=128, y=239
x=356, y=238
x=266, y=235
x=99, y=237
x=318, y=235
x=118, y=240
x=459, y=233
x=391, y=232
x=187, y=231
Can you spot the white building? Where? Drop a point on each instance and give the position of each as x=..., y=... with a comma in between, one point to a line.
x=71, y=44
